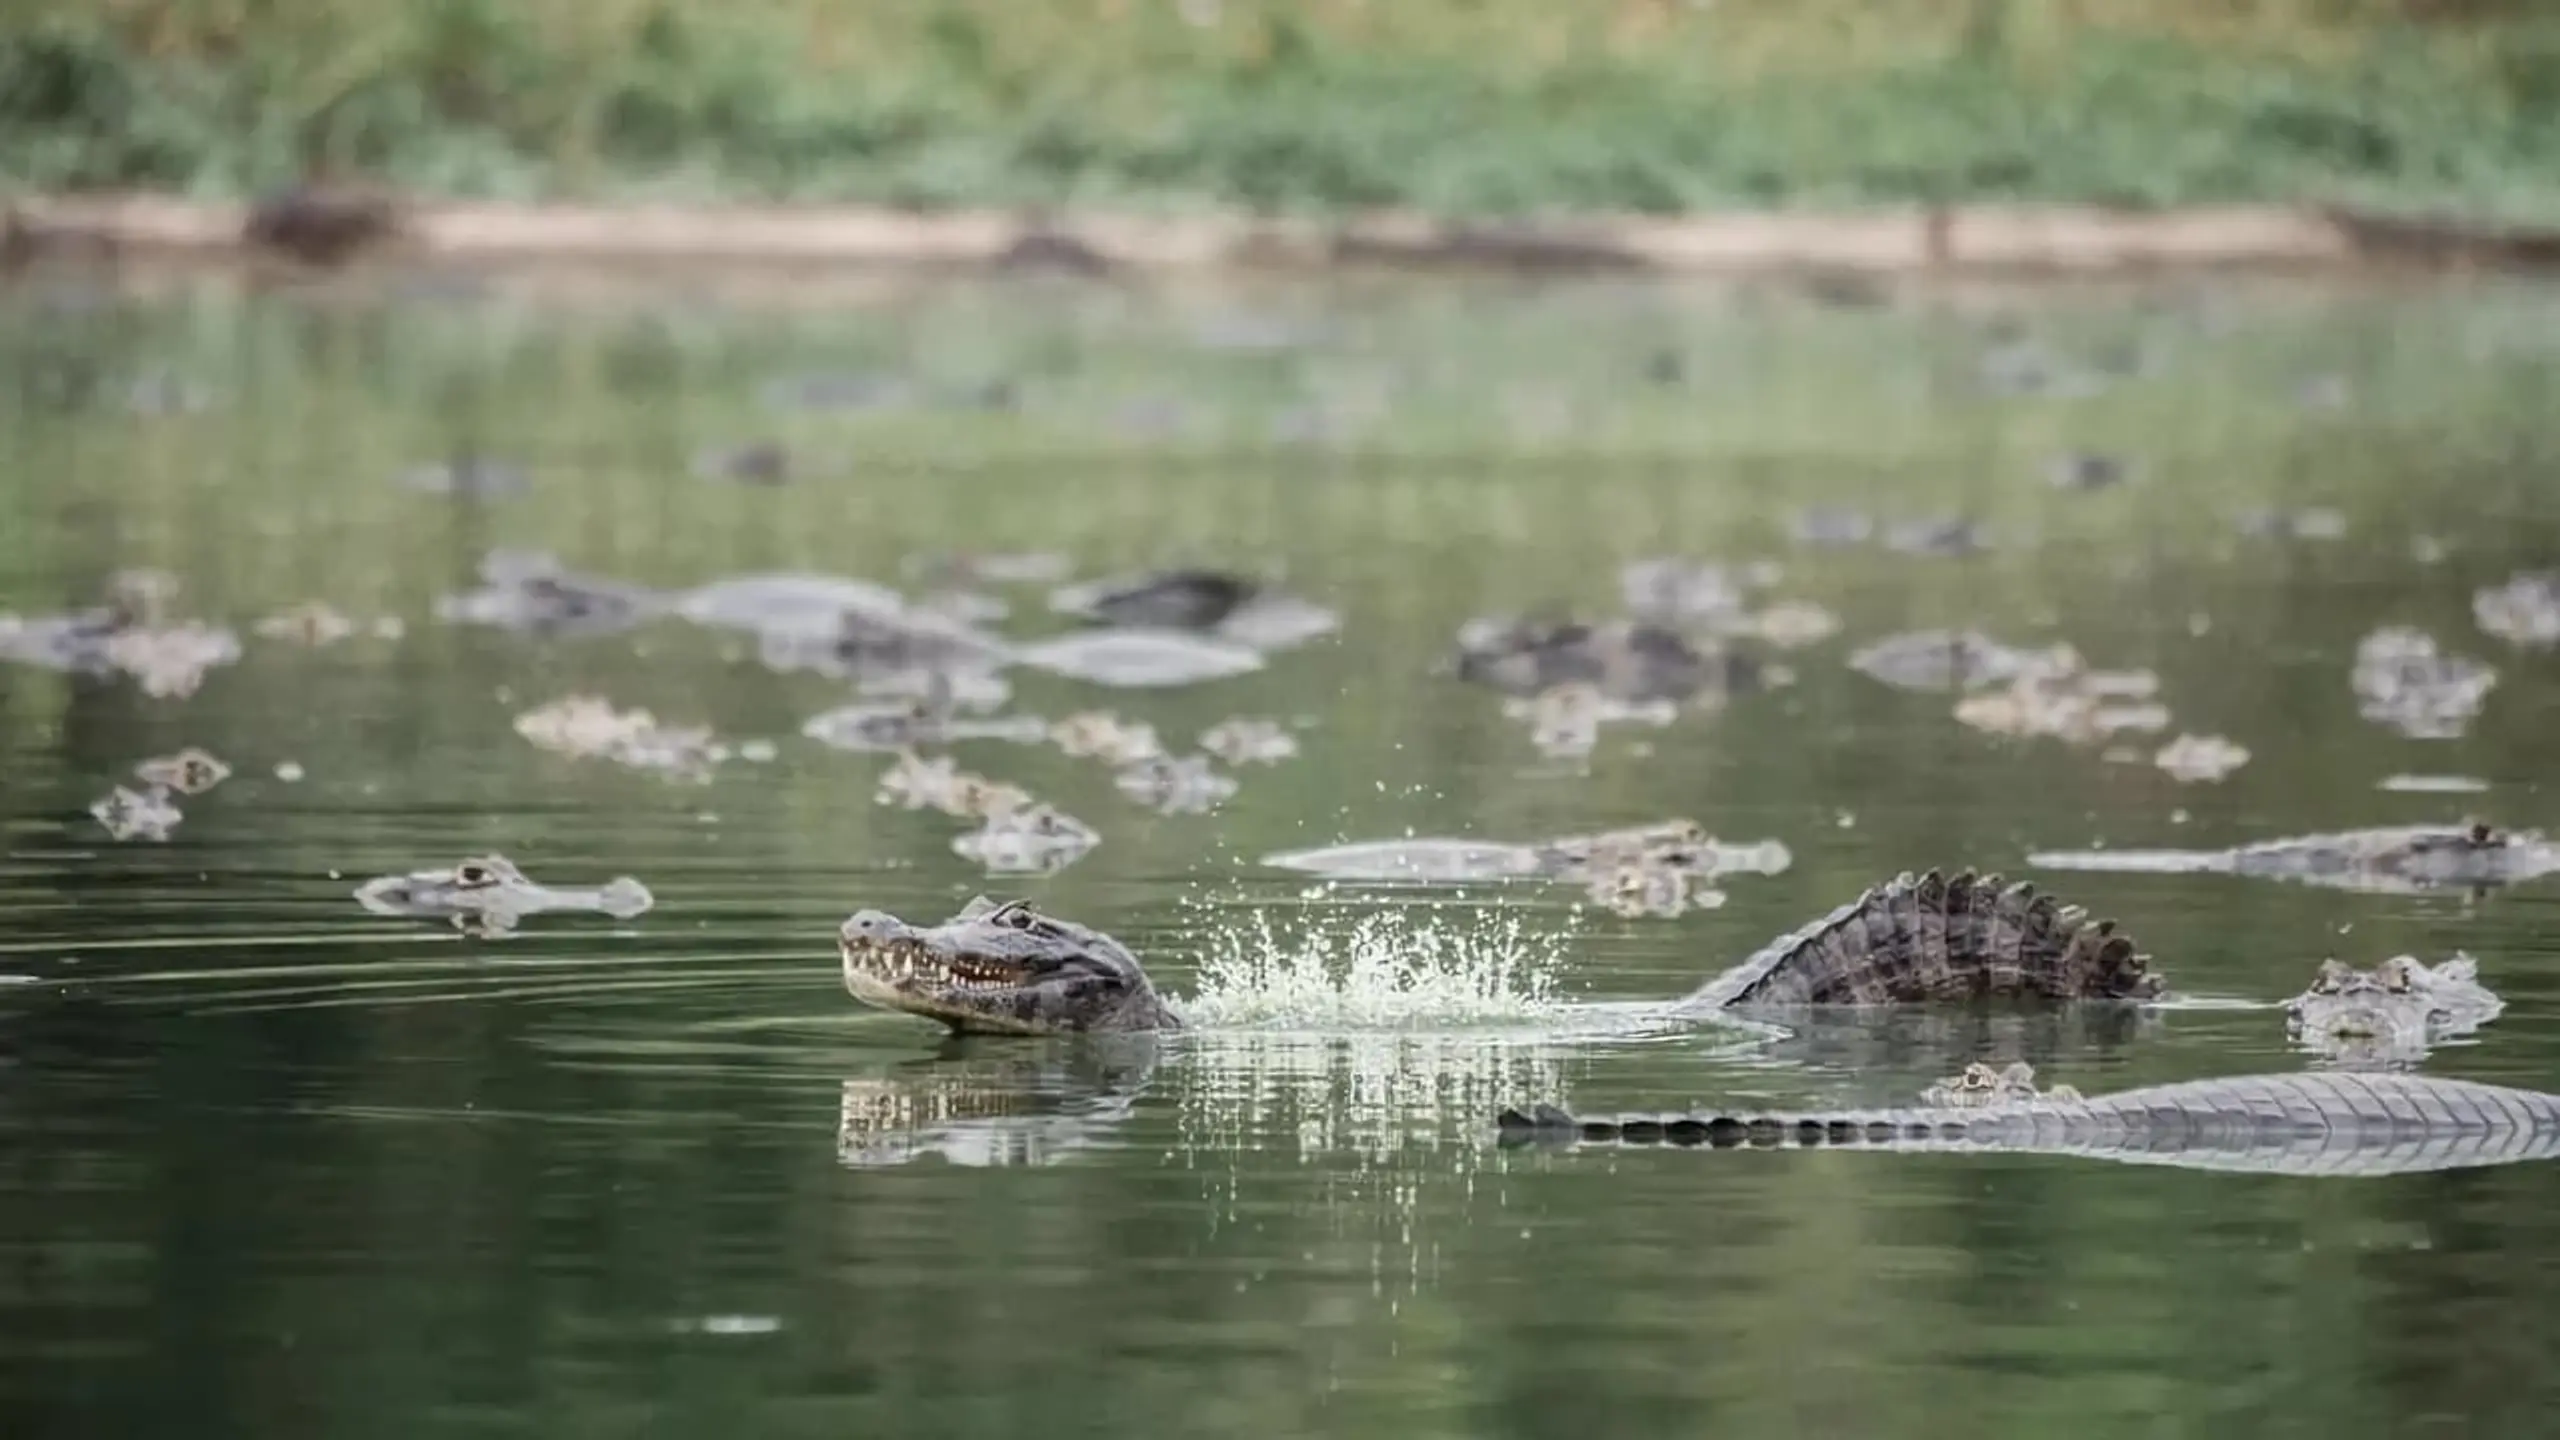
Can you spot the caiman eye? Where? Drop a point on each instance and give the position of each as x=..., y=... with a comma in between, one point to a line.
x=472, y=876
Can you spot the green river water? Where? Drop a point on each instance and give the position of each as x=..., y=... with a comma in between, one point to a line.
x=273, y=1166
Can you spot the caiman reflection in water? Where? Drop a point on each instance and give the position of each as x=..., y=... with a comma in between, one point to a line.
x=980, y=1105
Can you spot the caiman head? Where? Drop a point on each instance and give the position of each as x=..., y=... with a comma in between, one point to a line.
x=1000, y=969
x=2397, y=1006
x=484, y=895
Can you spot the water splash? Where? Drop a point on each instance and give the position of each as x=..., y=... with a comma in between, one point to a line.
x=1386, y=971
x=1383, y=1098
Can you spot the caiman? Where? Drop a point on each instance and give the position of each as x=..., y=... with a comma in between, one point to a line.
x=1008, y=969
x=2402, y=859
x=2319, y=1122
x=2393, y=1011
x=488, y=894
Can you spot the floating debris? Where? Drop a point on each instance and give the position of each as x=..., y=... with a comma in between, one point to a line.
x=1241, y=740
x=915, y=783
x=2317, y=522
x=289, y=771
x=1236, y=608
x=2434, y=784
x=313, y=622
x=756, y=462
x=1100, y=734
x=1945, y=536
x=902, y=726
x=2523, y=611
x=189, y=772
x=581, y=725
x=725, y=1325
x=2077, y=705
x=1140, y=659
x=530, y=591
x=140, y=595
x=794, y=602
x=2192, y=759
x=125, y=634
x=1175, y=786
x=1956, y=660
x=863, y=644
x=976, y=691
x=468, y=477
x=1631, y=661
x=1786, y=624
x=2403, y=680
x=1673, y=591
x=171, y=662
x=966, y=607
x=146, y=814
x=1272, y=621
x=57, y=642
x=1565, y=720
x=2085, y=470
x=587, y=727
x=1036, y=840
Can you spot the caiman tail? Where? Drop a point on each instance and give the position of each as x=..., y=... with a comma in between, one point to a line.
x=2320, y=1122
x=1932, y=938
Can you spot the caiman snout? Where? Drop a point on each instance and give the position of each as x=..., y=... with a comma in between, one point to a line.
x=870, y=927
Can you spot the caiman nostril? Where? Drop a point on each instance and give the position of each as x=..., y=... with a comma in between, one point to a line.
x=869, y=925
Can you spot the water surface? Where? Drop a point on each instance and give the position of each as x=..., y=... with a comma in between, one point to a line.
x=275, y=1166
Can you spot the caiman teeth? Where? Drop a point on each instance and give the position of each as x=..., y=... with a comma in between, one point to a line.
x=906, y=962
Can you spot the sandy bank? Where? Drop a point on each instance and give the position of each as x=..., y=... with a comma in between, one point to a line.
x=333, y=228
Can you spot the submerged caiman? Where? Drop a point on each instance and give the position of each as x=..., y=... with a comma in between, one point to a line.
x=2406, y=859
x=2319, y=1122
x=1009, y=969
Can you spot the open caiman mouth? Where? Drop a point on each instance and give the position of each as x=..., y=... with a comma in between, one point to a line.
x=1002, y=969
x=901, y=963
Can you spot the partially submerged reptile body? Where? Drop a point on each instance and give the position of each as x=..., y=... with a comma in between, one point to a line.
x=1000, y=969
x=2392, y=1013
x=1008, y=969
x=1680, y=844
x=488, y=893
x=2315, y=1123
x=2401, y=859
x=1929, y=937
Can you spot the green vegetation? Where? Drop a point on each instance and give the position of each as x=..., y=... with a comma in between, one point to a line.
x=1459, y=106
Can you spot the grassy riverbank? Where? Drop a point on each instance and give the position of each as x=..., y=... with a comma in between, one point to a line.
x=1458, y=106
